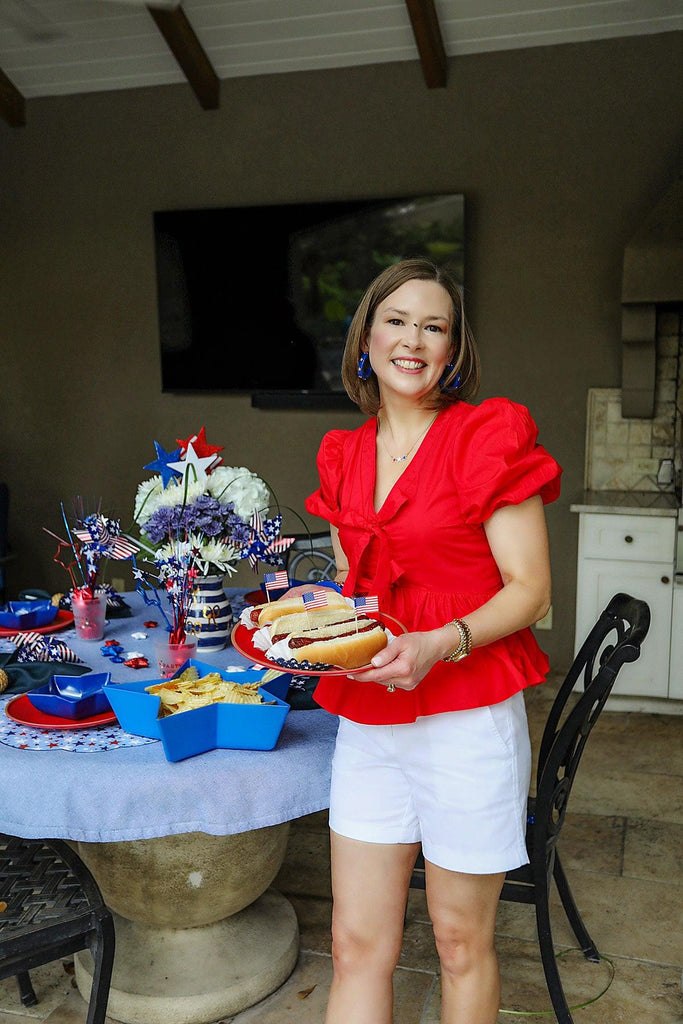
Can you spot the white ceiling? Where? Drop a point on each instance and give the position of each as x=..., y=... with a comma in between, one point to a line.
x=57, y=47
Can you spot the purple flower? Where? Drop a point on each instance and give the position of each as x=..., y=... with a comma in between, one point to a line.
x=206, y=516
x=241, y=532
x=163, y=523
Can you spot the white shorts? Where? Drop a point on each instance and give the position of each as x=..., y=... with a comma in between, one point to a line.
x=456, y=782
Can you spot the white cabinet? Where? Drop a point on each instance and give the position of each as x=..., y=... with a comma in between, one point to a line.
x=676, y=669
x=633, y=554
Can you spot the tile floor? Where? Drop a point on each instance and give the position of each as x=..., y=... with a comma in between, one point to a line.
x=622, y=849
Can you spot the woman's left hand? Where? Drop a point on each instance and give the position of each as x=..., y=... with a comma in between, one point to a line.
x=404, y=662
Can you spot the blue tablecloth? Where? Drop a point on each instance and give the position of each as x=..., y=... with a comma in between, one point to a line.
x=135, y=793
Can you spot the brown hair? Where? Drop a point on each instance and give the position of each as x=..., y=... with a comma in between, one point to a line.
x=465, y=358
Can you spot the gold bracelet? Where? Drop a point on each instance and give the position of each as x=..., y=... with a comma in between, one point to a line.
x=465, y=646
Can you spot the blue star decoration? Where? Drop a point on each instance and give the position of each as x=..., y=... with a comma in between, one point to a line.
x=161, y=464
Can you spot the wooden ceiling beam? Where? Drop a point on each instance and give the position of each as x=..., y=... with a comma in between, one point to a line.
x=427, y=32
x=188, y=51
x=12, y=103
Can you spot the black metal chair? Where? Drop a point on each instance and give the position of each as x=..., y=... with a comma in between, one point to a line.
x=50, y=907
x=614, y=640
x=311, y=558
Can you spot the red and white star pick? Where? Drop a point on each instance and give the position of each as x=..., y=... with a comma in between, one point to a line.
x=201, y=466
x=201, y=447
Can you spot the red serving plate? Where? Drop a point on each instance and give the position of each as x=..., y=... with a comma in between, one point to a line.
x=63, y=620
x=20, y=710
x=242, y=641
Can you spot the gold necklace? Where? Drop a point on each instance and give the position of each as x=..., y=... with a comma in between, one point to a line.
x=402, y=458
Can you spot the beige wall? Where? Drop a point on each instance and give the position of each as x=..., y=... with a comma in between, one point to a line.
x=560, y=152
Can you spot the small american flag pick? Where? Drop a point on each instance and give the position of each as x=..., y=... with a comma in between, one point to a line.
x=275, y=580
x=316, y=599
x=369, y=604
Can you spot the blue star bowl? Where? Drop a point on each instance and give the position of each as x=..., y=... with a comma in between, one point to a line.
x=229, y=726
x=27, y=614
x=72, y=696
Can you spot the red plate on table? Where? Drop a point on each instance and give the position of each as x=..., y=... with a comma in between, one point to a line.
x=242, y=641
x=63, y=620
x=21, y=710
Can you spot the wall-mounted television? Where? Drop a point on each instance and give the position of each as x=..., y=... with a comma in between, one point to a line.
x=258, y=299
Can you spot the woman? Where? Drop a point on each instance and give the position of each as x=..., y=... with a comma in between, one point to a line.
x=435, y=506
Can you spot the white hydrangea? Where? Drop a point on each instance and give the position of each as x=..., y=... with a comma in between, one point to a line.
x=239, y=485
x=146, y=499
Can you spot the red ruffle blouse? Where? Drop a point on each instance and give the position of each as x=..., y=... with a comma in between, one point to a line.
x=425, y=552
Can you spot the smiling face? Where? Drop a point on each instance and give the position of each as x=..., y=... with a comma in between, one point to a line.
x=409, y=341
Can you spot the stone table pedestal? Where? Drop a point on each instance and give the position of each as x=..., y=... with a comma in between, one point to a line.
x=198, y=937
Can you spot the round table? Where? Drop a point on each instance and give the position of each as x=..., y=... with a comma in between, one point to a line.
x=184, y=852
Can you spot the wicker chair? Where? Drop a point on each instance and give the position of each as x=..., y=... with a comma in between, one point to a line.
x=50, y=907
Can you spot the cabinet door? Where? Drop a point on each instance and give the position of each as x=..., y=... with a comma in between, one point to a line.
x=598, y=582
x=676, y=670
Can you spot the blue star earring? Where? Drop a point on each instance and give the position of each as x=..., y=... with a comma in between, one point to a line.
x=455, y=384
x=364, y=370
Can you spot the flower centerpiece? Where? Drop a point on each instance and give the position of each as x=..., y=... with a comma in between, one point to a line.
x=197, y=520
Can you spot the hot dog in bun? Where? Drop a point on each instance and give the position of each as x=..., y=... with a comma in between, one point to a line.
x=262, y=614
x=348, y=642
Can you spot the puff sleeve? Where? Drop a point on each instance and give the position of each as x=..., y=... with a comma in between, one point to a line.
x=325, y=501
x=502, y=462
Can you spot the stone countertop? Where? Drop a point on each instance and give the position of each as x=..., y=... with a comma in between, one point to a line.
x=633, y=503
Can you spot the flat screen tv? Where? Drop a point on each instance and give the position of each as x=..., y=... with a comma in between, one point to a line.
x=258, y=300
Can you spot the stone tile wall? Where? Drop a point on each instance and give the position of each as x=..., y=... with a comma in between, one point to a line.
x=627, y=454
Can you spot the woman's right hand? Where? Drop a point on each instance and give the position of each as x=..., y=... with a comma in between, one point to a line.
x=405, y=661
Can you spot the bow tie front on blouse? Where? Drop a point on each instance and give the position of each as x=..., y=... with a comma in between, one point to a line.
x=386, y=569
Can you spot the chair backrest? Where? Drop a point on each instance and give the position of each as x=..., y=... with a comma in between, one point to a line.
x=614, y=640
x=311, y=557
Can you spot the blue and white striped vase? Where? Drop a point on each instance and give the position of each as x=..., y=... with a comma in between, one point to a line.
x=209, y=618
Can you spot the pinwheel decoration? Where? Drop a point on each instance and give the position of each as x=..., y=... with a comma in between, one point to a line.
x=266, y=544
x=34, y=647
x=93, y=538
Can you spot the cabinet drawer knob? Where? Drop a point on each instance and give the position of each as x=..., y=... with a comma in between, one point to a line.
x=628, y=538
x=666, y=579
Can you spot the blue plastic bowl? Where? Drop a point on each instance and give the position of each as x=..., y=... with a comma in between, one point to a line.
x=73, y=696
x=27, y=614
x=231, y=726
